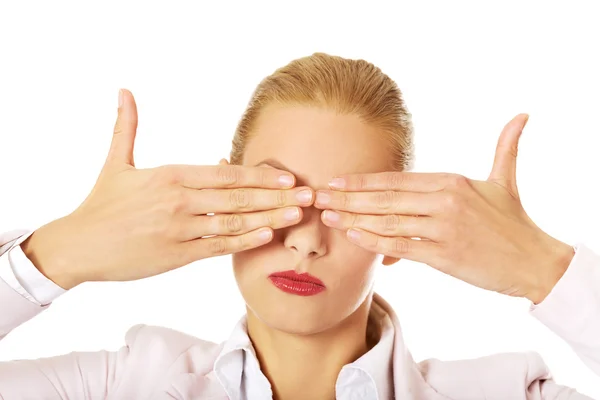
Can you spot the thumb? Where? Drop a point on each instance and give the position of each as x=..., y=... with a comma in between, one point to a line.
x=504, y=170
x=121, y=147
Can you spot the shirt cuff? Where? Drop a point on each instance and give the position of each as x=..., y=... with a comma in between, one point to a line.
x=572, y=308
x=23, y=277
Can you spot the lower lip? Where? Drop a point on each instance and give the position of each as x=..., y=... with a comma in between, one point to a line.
x=296, y=287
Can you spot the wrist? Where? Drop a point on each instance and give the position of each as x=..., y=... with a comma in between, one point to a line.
x=557, y=261
x=47, y=249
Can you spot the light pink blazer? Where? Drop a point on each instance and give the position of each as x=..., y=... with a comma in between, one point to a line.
x=159, y=363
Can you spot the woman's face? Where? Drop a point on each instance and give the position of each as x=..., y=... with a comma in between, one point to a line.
x=315, y=144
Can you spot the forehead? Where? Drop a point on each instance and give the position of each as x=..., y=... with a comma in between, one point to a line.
x=316, y=143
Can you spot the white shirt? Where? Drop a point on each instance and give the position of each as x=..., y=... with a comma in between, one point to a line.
x=237, y=367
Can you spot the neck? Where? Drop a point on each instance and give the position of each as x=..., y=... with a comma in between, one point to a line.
x=307, y=366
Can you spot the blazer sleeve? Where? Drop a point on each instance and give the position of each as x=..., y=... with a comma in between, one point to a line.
x=572, y=309
x=496, y=377
x=72, y=376
x=15, y=307
x=77, y=375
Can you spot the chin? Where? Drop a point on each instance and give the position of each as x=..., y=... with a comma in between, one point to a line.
x=299, y=315
x=296, y=323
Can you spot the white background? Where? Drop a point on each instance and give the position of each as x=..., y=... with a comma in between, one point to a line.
x=465, y=70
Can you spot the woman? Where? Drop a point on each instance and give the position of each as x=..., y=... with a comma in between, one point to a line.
x=304, y=261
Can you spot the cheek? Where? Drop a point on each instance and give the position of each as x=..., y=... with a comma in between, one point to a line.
x=354, y=267
x=249, y=266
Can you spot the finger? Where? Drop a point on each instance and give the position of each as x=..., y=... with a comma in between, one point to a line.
x=388, y=202
x=121, y=147
x=237, y=224
x=222, y=245
x=411, y=249
x=231, y=176
x=246, y=200
x=504, y=170
x=223, y=162
x=385, y=225
x=400, y=181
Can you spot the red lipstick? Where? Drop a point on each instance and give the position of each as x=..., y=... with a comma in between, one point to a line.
x=298, y=284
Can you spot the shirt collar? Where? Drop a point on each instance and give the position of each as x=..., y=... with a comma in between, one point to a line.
x=370, y=377
x=371, y=374
x=237, y=367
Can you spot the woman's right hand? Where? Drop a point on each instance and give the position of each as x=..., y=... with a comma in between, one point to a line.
x=137, y=223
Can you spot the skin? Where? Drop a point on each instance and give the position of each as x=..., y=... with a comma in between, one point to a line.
x=303, y=342
x=464, y=224
x=137, y=223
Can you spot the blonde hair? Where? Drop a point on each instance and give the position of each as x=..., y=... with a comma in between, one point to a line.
x=344, y=85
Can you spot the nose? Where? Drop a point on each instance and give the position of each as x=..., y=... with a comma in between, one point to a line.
x=307, y=238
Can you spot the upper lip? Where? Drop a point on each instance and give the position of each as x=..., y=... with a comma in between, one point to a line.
x=294, y=276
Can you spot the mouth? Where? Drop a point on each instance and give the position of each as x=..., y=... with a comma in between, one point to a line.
x=298, y=284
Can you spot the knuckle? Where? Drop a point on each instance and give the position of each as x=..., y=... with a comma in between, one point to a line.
x=452, y=256
x=163, y=227
x=384, y=200
x=458, y=182
x=512, y=150
x=176, y=202
x=362, y=182
x=280, y=198
x=344, y=199
x=166, y=174
x=234, y=223
x=452, y=234
x=177, y=229
x=173, y=232
x=391, y=222
x=242, y=243
x=452, y=201
x=394, y=180
x=264, y=177
x=240, y=198
x=355, y=220
x=227, y=175
x=445, y=231
x=400, y=246
x=218, y=245
x=270, y=219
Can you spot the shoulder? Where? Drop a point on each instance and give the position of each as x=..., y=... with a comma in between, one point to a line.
x=506, y=373
x=169, y=346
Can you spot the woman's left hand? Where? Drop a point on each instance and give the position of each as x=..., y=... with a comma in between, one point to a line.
x=476, y=231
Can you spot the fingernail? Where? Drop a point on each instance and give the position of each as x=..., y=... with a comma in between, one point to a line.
x=292, y=214
x=286, y=181
x=120, y=97
x=337, y=183
x=304, y=196
x=332, y=216
x=323, y=198
x=265, y=235
x=354, y=235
